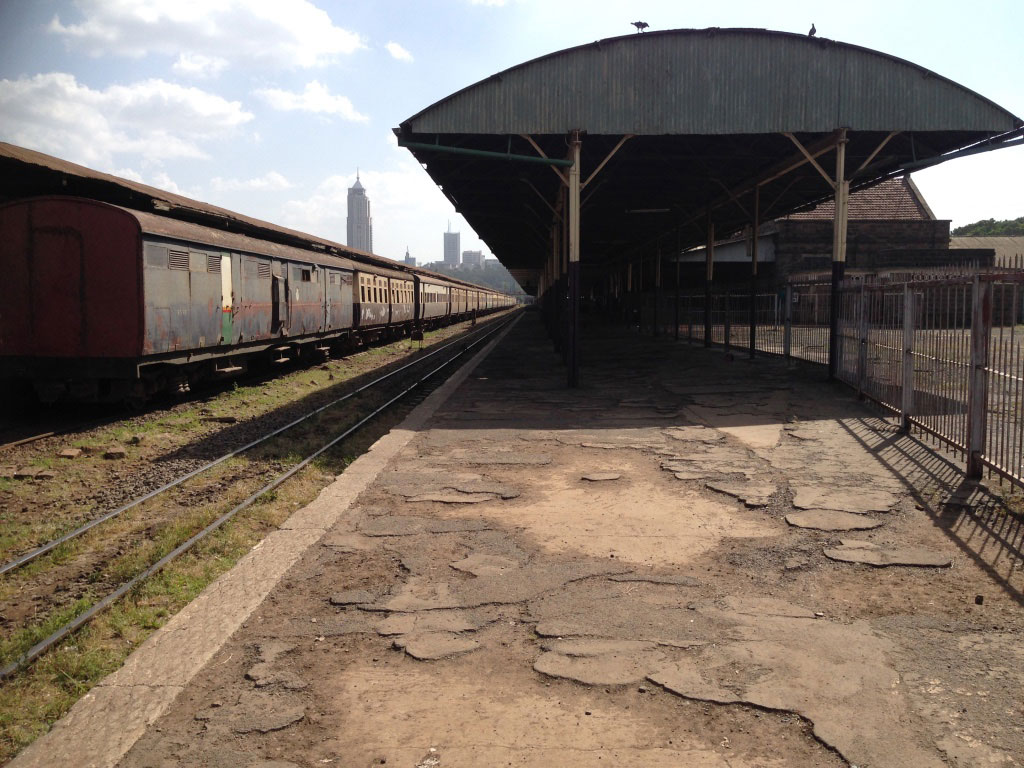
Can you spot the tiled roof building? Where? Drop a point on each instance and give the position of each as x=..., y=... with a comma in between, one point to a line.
x=890, y=228
x=897, y=198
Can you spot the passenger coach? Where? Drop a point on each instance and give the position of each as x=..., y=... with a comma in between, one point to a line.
x=103, y=303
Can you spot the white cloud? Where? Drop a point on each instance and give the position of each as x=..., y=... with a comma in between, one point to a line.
x=289, y=33
x=198, y=65
x=270, y=181
x=315, y=98
x=157, y=120
x=398, y=51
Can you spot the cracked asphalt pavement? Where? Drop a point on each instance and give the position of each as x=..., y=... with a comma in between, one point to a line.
x=692, y=560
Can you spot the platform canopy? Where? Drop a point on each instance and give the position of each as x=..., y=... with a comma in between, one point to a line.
x=679, y=126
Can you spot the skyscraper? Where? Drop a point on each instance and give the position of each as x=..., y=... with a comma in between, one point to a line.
x=360, y=225
x=451, y=247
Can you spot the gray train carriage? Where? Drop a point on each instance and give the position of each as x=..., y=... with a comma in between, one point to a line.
x=403, y=304
x=434, y=301
x=383, y=302
x=223, y=299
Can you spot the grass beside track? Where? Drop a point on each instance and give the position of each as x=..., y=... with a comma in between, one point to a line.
x=34, y=698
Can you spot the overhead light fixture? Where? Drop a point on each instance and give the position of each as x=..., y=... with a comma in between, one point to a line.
x=648, y=210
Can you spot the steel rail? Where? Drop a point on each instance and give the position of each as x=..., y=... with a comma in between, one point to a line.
x=51, y=545
x=84, y=618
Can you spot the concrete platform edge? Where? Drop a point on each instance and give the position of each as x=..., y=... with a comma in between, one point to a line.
x=105, y=723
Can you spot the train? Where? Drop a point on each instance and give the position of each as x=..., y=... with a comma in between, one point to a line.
x=101, y=303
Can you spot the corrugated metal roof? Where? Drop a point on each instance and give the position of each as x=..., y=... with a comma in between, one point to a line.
x=173, y=229
x=713, y=82
x=708, y=111
x=1009, y=250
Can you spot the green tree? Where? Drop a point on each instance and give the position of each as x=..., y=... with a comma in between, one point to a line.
x=992, y=228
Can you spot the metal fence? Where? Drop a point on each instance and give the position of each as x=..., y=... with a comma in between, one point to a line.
x=946, y=355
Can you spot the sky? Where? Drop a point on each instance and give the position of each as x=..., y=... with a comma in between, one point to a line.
x=269, y=107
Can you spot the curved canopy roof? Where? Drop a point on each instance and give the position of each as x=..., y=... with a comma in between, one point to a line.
x=708, y=112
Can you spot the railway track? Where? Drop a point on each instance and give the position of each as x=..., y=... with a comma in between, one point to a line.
x=455, y=351
x=7, y=443
x=57, y=432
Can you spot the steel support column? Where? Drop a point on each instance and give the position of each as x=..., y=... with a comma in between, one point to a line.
x=657, y=291
x=842, y=187
x=676, y=254
x=709, y=275
x=574, y=262
x=753, y=270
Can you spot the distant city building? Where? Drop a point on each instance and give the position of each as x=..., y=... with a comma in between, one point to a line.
x=473, y=258
x=360, y=225
x=409, y=259
x=451, y=247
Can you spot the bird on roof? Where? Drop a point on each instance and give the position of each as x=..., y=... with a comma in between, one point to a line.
x=813, y=31
x=640, y=25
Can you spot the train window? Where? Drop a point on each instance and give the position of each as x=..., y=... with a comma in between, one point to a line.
x=263, y=270
x=306, y=275
x=156, y=257
x=331, y=278
x=177, y=260
x=213, y=262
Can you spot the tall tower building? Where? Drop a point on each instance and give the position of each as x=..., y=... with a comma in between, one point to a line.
x=360, y=225
x=451, y=247
x=409, y=259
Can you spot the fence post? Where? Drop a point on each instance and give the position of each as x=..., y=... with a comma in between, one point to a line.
x=907, y=403
x=977, y=393
x=787, y=331
x=862, y=347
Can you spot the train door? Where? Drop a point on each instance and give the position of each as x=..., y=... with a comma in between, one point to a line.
x=58, y=272
x=226, y=300
x=279, y=299
x=417, y=287
x=391, y=288
x=338, y=299
x=330, y=297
